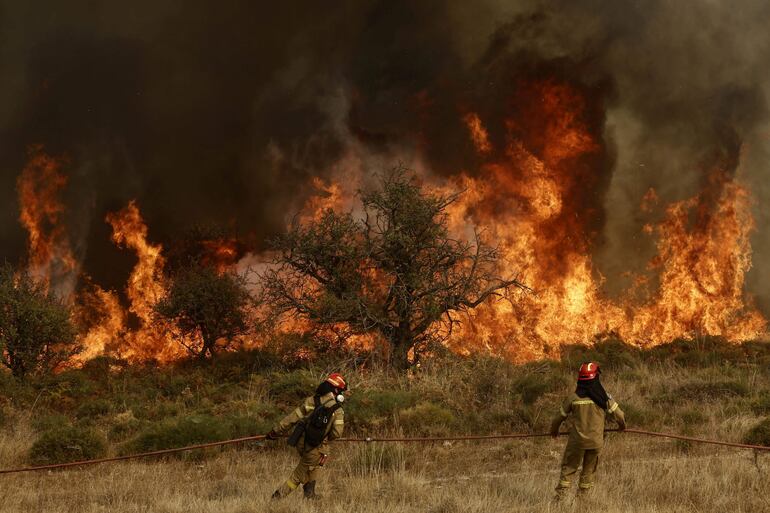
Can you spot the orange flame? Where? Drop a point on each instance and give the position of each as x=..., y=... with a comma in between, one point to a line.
x=109, y=331
x=146, y=286
x=534, y=196
x=479, y=134
x=50, y=257
x=526, y=203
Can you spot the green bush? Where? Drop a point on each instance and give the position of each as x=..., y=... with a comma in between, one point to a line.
x=293, y=386
x=171, y=433
x=124, y=424
x=93, y=408
x=642, y=417
x=701, y=352
x=72, y=385
x=368, y=408
x=533, y=386
x=611, y=354
x=243, y=425
x=67, y=444
x=49, y=422
x=759, y=434
x=427, y=419
x=704, y=392
x=489, y=378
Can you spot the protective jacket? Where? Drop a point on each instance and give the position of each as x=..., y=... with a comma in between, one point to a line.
x=333, y=430
x=587, y=430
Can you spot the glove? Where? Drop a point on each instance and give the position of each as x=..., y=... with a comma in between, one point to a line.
x=622, y=427
x=272, y=435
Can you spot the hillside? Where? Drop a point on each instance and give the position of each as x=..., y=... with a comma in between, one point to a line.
x=705, y=388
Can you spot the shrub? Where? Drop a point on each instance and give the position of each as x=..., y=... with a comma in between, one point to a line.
x=640, y=416
x=67, y=444
x=173, y=433
x=206, y=306
x=427, y=419
x=368, y=408
x=704, y=391
x=100, y=368
x=63, y=391
x=36, y=331
x=243, y=425
x=292, y=387
x=533, y=386
x=610, y=353
x=490, y=379
x=759, y=434
x=49, y=422
x=94, y=408
x=122, y=430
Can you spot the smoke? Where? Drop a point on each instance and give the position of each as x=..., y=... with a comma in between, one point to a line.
x=223, y=113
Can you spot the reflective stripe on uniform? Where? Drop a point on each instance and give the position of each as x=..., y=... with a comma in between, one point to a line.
x=298, y=413
x=339, y=422
x=564, y=484
x=583, y=401
x=585, y=486
x=291, y=484
x=613, y=408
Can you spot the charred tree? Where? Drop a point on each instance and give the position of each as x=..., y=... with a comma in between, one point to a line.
x=395, y=270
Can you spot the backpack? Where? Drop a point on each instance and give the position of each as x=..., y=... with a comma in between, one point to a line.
x=314, y=426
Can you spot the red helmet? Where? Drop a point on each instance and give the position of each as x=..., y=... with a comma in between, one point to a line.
x=337, y=381
x=588, y=371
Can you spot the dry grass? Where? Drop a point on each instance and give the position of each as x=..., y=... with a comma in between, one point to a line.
x=687, y=392
x=636, y=475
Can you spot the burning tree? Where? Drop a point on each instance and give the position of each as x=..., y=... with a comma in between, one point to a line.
x=36, y=333
x=208, y=307
x=395, y=271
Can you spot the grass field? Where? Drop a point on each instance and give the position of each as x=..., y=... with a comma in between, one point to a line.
x=712, y=390
x=636, y=475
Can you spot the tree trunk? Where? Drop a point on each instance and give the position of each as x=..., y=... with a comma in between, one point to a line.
x=207, y=343
x=401, y=342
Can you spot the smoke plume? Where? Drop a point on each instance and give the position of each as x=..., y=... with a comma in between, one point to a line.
x=224, y=113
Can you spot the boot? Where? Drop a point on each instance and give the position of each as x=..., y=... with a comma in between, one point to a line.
x=309, y=490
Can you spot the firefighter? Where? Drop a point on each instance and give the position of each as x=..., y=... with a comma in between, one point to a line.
x=588, y=407
x=316, y=421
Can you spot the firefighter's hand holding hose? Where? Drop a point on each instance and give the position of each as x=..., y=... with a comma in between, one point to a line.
x=272, y=435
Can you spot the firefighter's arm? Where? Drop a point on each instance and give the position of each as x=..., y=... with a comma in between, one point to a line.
x=338, y=425
x=560, y=417
x=613, y=408
x=299, y=413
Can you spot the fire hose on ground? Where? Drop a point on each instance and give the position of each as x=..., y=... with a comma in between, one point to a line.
x=458, y=438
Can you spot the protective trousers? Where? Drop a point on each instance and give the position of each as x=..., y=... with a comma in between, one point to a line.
x=308, y=468
x=574, y=457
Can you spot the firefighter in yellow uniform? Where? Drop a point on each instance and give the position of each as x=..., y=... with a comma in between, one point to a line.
x=318, y=420
x=588, y=407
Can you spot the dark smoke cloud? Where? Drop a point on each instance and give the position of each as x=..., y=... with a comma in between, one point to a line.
x=220, y=113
